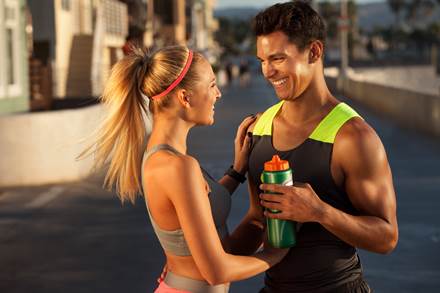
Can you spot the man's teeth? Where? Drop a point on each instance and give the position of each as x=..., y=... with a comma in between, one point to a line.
x=280, y=81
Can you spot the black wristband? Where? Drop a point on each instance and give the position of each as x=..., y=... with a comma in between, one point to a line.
x=235, y=175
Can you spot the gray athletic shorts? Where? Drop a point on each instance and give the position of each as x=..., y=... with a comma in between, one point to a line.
x=193, y=286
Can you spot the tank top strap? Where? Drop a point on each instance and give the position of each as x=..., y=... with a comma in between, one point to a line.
x=264, y=124
x=329, y=126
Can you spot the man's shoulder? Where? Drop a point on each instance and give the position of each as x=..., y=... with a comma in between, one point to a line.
x=355, y=130
x=358, y=141
x=265, y=117
x=252, y=126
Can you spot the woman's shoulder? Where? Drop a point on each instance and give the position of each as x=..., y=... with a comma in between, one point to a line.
x=180, y=176
x=183, y=164
x=172, y=164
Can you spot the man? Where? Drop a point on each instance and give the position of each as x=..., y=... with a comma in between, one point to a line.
x=343, y=194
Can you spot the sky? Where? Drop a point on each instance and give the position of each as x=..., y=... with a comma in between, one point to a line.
x=262, y=3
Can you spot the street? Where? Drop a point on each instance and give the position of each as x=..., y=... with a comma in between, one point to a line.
x=76, y=237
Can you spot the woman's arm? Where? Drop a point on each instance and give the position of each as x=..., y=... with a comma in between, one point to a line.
x=248, y=236
x=242, y=144
x=190, y=199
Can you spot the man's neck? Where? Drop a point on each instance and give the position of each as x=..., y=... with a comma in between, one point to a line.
x=312, y=103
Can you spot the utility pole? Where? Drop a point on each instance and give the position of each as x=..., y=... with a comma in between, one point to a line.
x=343, y=26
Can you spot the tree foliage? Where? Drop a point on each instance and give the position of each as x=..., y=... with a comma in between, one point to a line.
x=233, y=35
x=412, y=10
x=406, y=32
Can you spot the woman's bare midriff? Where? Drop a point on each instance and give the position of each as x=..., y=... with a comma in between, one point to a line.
x=183, y=266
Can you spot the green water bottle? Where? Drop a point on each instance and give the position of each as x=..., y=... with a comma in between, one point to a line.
x=281, y=233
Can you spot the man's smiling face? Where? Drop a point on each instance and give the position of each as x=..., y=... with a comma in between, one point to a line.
x=284, y=65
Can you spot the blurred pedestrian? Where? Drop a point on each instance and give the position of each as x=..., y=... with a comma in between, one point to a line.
x=127, y=48
x=229, y=72
x=235, y=70
x=371, y=49
x=187, y=207
x=244, y=73
x=222, y=78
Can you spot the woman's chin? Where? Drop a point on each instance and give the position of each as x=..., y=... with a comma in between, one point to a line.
x=211, y=119
x=211, y=122
x=207, y=122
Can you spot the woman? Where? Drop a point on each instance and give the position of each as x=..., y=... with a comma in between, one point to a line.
x=187, y=208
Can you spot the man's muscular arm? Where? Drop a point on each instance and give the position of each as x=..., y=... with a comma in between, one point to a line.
x=360, y=155
x=369, y=185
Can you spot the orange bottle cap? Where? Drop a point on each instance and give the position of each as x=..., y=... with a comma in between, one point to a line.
x=276, y=164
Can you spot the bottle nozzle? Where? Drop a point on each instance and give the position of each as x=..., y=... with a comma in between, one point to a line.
x=276, y=164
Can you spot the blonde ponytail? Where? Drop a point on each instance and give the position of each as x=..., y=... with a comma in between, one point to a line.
x=121, y=137
x=122, y=134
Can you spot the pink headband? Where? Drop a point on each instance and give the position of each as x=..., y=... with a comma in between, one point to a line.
x=179, y=78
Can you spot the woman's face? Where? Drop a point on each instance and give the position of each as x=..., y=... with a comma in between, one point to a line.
x=204, y=95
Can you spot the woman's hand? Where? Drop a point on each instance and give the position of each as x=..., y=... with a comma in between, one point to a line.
x=275, y=255
x=242, y=142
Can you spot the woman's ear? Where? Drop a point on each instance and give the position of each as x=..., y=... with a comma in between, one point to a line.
x=183, y=98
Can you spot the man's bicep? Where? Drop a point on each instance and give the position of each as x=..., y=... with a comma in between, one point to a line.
x=372, y=196
x=368, y=179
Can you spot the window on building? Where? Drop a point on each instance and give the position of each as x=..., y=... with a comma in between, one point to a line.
x=165, y=9
x=10, y=49
x=10, y=56
x=65, y=5
x=115, y=18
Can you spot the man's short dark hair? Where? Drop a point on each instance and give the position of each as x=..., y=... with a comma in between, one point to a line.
x=296, y=19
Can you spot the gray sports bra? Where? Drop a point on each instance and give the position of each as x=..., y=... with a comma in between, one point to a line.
x=174, y=241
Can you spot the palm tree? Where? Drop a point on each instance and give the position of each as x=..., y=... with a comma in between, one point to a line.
x=397, y=6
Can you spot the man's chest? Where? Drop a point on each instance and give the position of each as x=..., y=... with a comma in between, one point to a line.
x=290, y=136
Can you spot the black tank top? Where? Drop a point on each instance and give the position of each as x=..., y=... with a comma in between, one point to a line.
x=320, y=261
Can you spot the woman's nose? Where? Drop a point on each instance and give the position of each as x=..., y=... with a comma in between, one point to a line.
x=219, y=94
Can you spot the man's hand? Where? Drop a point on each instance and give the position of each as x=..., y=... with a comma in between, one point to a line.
x=296, y=203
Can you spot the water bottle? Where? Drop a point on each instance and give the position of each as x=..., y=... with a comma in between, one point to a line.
x=281, y=233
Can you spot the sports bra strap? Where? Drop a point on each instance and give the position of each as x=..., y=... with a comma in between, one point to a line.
x=172, y=241
x=160, y=147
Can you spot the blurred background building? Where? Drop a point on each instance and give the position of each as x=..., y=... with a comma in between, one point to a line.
x=14, y=92
x=64, y=49
x=57, y=55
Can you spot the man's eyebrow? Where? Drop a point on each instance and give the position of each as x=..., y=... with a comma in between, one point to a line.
x=274, y=55
x=278, y=54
